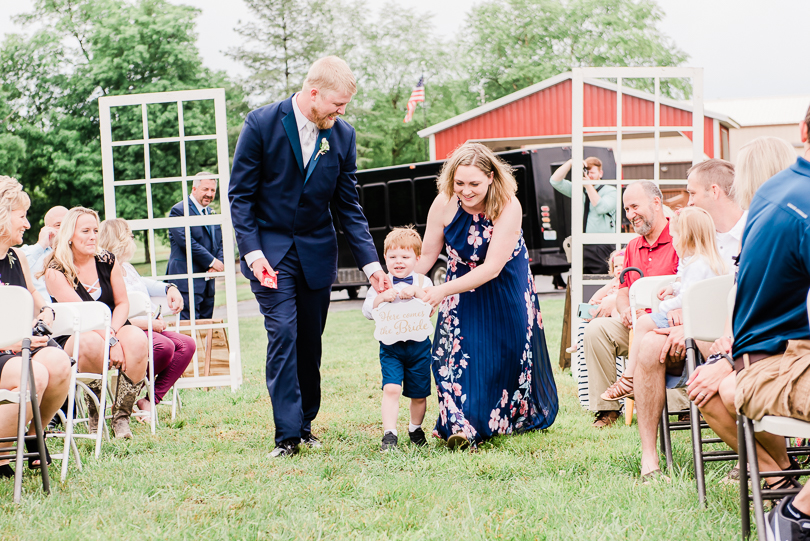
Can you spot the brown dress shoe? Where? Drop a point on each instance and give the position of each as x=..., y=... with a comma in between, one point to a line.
x=605, y=418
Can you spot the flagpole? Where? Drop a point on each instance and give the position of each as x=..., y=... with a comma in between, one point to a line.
x=424, y=111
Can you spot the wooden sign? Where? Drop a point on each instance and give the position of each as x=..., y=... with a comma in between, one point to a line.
x=400, y=321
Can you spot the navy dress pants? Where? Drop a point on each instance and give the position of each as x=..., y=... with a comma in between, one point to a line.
x=203, y=302
x=294, y=318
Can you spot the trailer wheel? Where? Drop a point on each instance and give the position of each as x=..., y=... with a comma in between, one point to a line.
x=353, y=292
x=438, y=272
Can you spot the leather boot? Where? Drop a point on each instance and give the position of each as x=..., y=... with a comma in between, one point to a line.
x=125, y=396
x=92, y=410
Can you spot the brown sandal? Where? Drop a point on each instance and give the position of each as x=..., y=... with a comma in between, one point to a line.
x=623, y=388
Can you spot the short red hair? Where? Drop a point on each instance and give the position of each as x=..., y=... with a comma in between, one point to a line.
x=403, y=237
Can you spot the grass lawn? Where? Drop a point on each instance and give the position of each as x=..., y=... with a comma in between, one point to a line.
x=206, y=475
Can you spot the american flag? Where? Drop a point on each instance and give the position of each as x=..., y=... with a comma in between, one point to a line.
x=417, y=95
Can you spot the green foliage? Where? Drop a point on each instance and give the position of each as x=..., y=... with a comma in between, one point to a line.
x=512, y=44
x=85, y=49
x=285, y=37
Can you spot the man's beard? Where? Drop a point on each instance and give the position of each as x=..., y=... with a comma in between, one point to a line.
x=322, y=122
x=645, y=227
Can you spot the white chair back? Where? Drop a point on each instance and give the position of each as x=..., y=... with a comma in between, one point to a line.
x=705, y=308
x=15, y=323
x=139, y=304
x=80, y=317
x=644, y=292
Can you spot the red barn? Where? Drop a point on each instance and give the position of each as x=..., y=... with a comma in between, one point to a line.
x=541, y=115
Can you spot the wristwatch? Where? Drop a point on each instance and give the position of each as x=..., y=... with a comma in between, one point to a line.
x=113, y=341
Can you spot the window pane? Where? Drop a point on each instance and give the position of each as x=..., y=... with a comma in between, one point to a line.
x=425, y=189
x=374, y=205
x=400, y=202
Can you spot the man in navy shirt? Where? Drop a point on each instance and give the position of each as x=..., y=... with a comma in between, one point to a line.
x=771, y=347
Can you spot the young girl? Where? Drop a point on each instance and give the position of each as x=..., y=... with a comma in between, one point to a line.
x=693, y=236
x=608, y=291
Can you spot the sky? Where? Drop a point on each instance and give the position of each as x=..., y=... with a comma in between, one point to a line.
x=748, y=48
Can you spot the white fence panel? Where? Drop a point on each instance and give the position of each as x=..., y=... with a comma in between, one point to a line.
x=160, y=221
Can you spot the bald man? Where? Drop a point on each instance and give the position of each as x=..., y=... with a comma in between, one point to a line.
x=36, y=253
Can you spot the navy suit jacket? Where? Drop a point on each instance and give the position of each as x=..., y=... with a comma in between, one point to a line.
x=276, y=202
x=203, y=249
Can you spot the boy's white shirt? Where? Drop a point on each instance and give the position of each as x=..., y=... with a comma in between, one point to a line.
x=368, y=304
x=690, y=270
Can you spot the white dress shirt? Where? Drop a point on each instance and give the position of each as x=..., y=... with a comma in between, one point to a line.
x=308, y=136
x=729, y=243
x=36, y=254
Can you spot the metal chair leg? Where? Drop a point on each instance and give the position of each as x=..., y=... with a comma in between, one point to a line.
x=745, y=507
x=751, y=448
x=38, y=430
x=666, y=441
x=21, y=420
x=697, y=450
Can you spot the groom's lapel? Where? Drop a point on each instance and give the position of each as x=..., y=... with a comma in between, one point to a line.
x=313, y=162
x=291, y=127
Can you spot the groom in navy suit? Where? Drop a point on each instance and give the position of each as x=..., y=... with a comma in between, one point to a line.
x=295, y=163
x=206, y=249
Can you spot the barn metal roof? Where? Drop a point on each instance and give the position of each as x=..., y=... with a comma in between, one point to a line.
x=529, y=90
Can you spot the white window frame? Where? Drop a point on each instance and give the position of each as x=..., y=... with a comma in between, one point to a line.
x=223, y=219
x=578, y=80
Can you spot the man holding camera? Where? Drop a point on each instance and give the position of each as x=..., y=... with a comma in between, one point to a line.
x=599, y=215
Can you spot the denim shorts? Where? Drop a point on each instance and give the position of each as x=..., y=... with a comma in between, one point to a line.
x=660, y=320
x=408, y=364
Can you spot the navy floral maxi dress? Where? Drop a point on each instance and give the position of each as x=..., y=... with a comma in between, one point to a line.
x=490, y=359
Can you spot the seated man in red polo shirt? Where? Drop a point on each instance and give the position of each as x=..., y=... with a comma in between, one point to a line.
x=653, y=253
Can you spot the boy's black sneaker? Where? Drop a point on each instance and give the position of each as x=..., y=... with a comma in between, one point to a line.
x=389, y=441
x=418, y=437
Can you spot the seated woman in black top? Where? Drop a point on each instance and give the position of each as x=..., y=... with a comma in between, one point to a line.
x=51, y=364
x=78, y=271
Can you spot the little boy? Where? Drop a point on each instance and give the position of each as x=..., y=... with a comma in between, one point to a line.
x=405, y=365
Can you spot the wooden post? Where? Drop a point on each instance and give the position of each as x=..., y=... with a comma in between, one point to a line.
x=565, y=339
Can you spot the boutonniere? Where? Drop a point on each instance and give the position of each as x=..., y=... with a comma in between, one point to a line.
x=324, y=148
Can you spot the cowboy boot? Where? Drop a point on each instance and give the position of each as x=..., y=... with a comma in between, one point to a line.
x=92, y=410
x=125, y=396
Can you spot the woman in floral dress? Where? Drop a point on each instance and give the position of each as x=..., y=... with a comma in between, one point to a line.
x=490, y=359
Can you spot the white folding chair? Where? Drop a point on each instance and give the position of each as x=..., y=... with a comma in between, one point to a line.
x=75, y=318
x=140, y=304
x=746, y=430
x=643, y=294
x=175, y=401
x=15, y=326
x=705, y=312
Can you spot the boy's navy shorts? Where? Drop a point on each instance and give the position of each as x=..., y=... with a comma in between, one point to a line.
x=407, y=364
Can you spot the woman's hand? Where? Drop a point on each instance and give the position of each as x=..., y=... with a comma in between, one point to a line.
x=46, y=316
x=117, y=359
x=158, y=325
x=434, y=295
x=175, y=300
x=36, y=342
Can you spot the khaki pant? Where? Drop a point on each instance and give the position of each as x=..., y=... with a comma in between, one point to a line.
x=605, y=339
x=777, y=385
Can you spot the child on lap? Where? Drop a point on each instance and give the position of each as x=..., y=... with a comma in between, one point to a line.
x=405, y=365
x=694, y=240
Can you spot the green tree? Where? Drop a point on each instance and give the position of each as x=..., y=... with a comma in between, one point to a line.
x=85, y=49
x=286, y=36
x=512, y=44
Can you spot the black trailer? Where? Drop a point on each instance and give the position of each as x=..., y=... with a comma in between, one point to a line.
x=402, y=195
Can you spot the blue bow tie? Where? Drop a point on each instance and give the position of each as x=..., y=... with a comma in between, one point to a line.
x=407, y=280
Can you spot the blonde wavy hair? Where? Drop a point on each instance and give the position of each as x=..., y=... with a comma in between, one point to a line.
x=115, y=236
x=12, y=197
x=61, y=259
x=697, y=236
x=503, y=186
x=757, y=161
